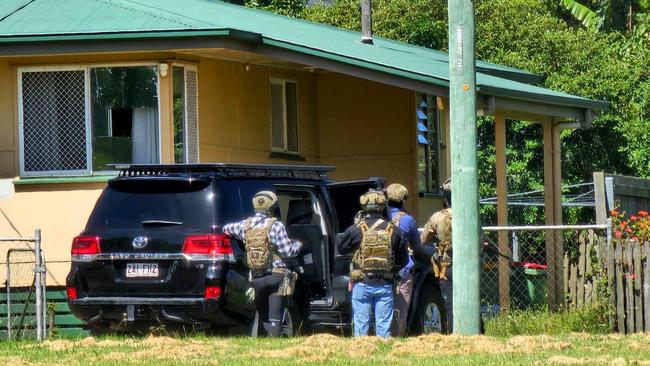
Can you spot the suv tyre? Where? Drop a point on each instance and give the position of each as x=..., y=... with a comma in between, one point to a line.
x=430, y=315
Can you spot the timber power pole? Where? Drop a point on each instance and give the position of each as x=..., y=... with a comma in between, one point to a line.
x=464, y=180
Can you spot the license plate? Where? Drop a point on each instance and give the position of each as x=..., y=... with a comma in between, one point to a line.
x=141, y=270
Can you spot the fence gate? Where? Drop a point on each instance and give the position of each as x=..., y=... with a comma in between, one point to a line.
x=25, y=302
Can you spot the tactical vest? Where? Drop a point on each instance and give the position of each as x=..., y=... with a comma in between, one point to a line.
x=441, y=221
x=374, y=258
x=259, y=253
x=398, y=217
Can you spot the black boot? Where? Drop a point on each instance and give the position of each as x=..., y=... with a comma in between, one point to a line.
x=273, y=328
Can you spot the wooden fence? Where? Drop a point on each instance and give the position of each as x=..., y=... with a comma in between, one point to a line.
x=628, y=281
x=582, y=269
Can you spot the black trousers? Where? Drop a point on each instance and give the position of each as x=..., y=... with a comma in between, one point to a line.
x=270, y=306
x=446, y=288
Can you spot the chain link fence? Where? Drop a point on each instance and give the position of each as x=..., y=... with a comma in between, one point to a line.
x=25, y=301
x=535, y=267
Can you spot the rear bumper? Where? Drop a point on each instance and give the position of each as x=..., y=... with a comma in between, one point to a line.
x=116, y=300
x=111, y=310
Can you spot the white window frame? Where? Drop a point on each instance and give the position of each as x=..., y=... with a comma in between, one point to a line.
x=285, y=135
x=89, y=151
x=186, y=68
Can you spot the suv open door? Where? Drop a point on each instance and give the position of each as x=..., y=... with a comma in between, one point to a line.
x=345, y=199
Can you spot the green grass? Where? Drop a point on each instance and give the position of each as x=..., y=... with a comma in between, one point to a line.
x=589, y=319
x=572, y=348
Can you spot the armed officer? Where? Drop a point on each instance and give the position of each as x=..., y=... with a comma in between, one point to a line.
x=397, y=194
x=267, y=249
x=438, y=231
x=379, y=252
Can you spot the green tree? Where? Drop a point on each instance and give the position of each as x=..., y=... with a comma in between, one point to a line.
x=539, y=37
x=292, y=8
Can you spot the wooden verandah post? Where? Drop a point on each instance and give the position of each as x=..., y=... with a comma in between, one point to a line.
x=553, y=213
x=502, y=210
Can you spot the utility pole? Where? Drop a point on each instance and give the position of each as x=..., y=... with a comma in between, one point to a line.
x=464, y=181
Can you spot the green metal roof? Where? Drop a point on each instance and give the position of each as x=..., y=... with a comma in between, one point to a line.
x=24, y=21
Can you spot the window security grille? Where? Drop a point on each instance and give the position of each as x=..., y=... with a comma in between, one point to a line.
x=54, y=135
x=192, y=117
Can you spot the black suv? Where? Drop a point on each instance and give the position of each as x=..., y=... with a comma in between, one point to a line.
x=153, y=251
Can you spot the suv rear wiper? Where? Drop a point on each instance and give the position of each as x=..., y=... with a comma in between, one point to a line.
x=160, y=222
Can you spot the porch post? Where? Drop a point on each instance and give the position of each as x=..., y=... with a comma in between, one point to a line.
x=553, y=214
x=502, y=210
x=557, y=215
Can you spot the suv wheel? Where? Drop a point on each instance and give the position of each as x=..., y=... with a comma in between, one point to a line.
x=430, y=314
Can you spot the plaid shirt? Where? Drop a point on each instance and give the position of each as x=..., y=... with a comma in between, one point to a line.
x=287, y=248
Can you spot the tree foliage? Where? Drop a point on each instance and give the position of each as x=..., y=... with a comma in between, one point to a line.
x=539, y=37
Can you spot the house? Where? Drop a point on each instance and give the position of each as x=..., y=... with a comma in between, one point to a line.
x=86, y=83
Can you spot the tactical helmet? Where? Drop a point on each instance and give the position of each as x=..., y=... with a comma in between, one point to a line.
x=265, y=201
x=373, y=201
x=397, y=192
x=446, y=190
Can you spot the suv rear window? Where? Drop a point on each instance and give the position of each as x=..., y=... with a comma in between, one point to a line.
x=134, y=203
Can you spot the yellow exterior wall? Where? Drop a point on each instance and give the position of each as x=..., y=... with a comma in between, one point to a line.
x=235, y=112
x=59, y=210
x=367, y=129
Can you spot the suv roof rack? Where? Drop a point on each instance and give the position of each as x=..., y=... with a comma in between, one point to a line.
x=224, y=170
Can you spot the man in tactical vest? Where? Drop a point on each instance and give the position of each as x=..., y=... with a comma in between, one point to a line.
x=397, y=194
x=267, y=249
x=379, y=251
x=438, y=231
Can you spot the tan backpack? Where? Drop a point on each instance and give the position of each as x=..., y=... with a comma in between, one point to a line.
x=375, y=254
x=259, y=254
x=441, y=221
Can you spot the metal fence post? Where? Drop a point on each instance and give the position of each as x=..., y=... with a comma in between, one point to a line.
x=38, y=272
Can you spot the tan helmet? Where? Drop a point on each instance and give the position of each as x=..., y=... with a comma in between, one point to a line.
x=264, y=201
x=372, y=200
x=397, y=192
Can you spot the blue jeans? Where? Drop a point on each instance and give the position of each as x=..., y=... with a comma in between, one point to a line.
x=367, y=297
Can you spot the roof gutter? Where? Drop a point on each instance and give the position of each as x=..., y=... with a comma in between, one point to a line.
x=121, y=36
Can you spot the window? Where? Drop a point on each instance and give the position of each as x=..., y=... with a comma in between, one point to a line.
x=284, y=116
x=80, y=119
x=428, y=140
x=124, y=115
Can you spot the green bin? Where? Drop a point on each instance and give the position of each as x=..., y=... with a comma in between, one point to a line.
x=527, y=287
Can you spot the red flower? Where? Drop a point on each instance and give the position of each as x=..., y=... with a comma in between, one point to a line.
x=623, y=224
x=615, y=213
x=633, y=218
x=618, y=234
x=635, y=238
x=643, y=213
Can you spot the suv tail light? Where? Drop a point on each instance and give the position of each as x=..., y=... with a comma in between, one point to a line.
x=85, y=248
x=211, y=246
x=71, y=292
x=212, y=292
